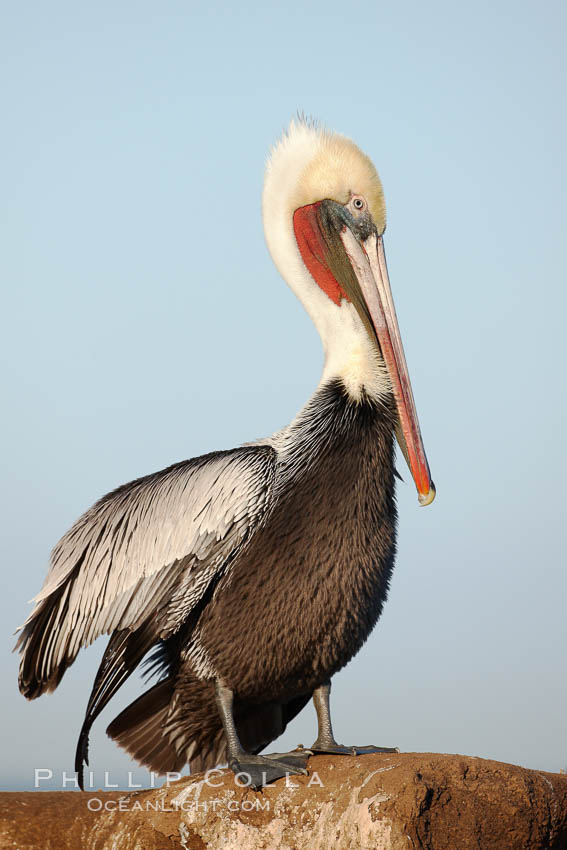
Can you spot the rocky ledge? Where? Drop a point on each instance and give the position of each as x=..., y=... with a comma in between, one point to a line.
x=375, y=802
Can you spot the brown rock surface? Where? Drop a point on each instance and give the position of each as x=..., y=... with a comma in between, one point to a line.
x=384, y=802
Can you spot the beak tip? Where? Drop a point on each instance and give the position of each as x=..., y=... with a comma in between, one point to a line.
x=427, y=498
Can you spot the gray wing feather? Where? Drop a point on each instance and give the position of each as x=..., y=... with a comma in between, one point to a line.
x=150, y=547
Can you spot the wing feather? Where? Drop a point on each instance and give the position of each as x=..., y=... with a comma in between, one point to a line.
x=149, y=548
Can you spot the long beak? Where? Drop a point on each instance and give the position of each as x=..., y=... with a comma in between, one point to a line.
x=369, y=264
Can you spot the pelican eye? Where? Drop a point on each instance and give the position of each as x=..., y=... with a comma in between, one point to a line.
x=358, y=203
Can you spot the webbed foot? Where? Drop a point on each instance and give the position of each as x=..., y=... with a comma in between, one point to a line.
x=325, y=742
x=362, y=751
x=333, y=748
x=297, y=758
x=257, y=770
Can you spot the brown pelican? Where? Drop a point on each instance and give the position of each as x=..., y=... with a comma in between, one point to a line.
x=254, y=574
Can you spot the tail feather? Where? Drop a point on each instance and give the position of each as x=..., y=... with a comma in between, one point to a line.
x=139, y=729
x=176, y=723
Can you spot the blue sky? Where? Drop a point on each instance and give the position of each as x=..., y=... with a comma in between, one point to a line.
x=143, y=323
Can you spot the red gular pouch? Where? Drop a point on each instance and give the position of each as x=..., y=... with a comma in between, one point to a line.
x=315, y=245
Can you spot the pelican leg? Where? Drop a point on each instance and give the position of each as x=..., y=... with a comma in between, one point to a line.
x=325, y=742
x=261, y=770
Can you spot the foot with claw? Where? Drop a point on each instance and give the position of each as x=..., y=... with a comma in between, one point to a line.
x=254, y=769
x=262, y=770
x=325, y=742
x=296, y=758
x=332, y=747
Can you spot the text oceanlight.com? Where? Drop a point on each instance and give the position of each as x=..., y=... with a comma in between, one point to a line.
x=124, y=804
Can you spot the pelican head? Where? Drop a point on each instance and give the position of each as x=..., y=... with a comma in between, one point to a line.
x=324, y=219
